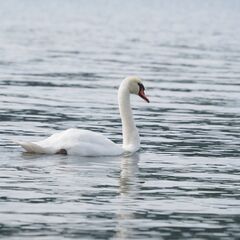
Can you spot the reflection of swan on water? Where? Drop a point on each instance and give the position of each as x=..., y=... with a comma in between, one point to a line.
x=129, y=185
x=128, y=175
x=88, y=143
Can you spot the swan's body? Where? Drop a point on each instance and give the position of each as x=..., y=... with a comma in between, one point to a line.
x=75, y=142
x=87, y=143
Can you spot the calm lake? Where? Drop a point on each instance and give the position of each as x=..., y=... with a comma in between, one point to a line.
x=61, y=63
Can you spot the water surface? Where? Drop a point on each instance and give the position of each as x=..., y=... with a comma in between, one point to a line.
x=61, y=64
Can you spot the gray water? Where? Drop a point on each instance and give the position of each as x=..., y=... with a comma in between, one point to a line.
x=61, y=63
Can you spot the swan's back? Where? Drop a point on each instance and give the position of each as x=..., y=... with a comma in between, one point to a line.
x=75, y=142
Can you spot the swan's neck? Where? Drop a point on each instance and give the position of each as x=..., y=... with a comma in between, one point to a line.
x=131, y=140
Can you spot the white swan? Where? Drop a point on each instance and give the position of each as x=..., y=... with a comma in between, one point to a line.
x=87, y=143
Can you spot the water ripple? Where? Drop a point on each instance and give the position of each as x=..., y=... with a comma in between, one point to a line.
x=61, y=69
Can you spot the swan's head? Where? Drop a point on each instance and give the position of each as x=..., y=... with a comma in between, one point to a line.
x=136, y=86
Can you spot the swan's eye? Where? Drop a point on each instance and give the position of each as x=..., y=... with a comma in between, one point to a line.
x=141, y=87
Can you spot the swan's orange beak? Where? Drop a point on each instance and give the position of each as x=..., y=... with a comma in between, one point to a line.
x=142, y=95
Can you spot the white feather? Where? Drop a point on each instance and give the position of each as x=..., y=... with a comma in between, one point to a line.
x=87, y=143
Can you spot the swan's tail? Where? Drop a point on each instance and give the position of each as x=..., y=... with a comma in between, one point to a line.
x=31, y=147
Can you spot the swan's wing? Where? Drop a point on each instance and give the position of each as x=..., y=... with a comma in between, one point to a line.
x=87, y=143
x=50, y=145
x=74, y=141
